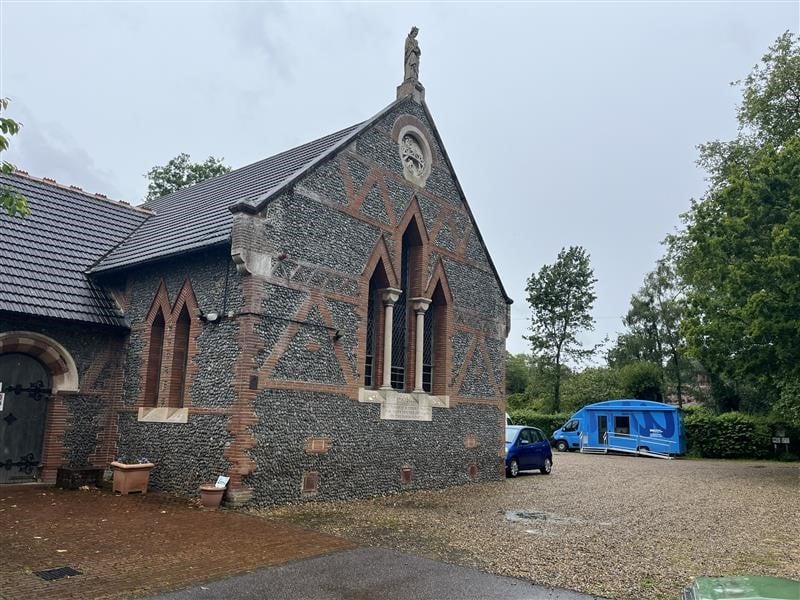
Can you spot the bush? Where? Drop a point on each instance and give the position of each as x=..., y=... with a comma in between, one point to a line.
x=546, y=422
x=733, y=434
x=708, y=435
x=642, y=380
x=594, y=384
x=516, y=401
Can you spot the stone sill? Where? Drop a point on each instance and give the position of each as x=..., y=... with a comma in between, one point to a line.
x=404, y=406
x=163, y=414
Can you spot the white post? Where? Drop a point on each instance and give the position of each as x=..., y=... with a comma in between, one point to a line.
x=388, y=296
x=420, y=305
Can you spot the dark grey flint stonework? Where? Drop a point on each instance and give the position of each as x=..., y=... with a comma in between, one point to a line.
x=217, y=345
x=304, y=385
x=367, y=452
x=185, y=454
x=84, y=426
x=86, y=414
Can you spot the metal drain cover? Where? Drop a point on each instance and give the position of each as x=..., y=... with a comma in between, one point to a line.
x=57, y=573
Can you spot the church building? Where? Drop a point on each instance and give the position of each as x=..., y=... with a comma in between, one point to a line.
x=325, y=323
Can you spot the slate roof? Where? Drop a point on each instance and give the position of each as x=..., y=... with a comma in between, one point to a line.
x=200, y=216
x=43, y=257
x=47, y=260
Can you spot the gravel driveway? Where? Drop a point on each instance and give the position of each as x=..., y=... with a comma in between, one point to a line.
x=615, y=526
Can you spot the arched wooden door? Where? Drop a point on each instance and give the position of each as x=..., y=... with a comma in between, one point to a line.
x=26, y=391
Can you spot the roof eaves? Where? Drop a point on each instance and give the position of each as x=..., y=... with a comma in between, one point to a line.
x=128, y=264
x=257, y=204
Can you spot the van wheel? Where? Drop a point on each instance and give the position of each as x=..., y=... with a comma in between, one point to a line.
x=643, y=449
x=562, y=446
x=547, y=467
x=513, y=468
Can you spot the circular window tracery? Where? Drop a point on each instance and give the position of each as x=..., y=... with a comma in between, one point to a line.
x=415, y=155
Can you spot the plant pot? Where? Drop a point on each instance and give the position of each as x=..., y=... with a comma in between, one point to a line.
x=211, y=495
x=131, y=477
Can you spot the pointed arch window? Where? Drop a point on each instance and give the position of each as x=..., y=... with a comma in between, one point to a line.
x=154, y=354
x=369, y=359
x=180, y=358
x=403, y=325
x=374, y=339
x=434, y=372
x=428, y=355
x=398, y=380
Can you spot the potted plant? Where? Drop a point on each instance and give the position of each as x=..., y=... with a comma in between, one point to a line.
x=131, y=476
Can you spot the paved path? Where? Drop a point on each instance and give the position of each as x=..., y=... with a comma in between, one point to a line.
x=125, y=545
x=367, y=574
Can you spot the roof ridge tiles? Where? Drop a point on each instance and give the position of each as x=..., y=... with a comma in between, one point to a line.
x=74, y=188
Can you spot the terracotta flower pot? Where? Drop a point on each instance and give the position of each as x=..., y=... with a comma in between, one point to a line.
x=131, y=477
x=211, y=495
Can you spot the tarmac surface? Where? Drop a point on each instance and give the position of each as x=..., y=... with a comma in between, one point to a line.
x=370, y=574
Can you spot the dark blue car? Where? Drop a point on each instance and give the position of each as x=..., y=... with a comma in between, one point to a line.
x=527, y=448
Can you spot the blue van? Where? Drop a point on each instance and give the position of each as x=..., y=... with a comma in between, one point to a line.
x=631, y=426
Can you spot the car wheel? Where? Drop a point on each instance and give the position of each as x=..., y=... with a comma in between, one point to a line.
x=562, y=446
x=513, y=468
x=547, y=467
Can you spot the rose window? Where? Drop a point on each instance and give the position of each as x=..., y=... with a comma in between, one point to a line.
x=413, y=157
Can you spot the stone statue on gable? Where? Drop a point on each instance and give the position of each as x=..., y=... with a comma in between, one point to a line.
x=411, y=85
x=412, y=56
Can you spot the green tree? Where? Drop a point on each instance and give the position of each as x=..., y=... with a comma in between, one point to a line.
x=180, y=172
x=768, y=114
x=593, y=384
x=653, y=323
x=739, y=251
x=740, y=254
x=787, y=408
x=517, y=369
x=11, y=201
x=541, y=383
x=642, y=380
x=561, y=297
x=632, y=346
x=770, y=109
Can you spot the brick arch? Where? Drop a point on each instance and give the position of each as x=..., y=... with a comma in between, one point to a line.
x=380, y=254
x=186, y=298
x=414, y=211
x=55, y=357
x=160, y=301
x=182, y=346
x=153, y=350
x=438, y=276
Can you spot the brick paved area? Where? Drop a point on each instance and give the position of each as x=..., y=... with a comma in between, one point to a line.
x=131, y=545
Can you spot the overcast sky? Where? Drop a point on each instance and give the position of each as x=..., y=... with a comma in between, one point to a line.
x=567, y=123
